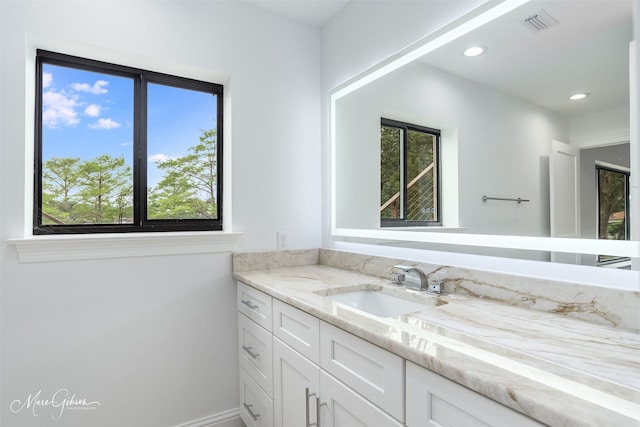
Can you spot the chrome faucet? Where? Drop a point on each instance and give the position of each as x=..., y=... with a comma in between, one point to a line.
x=415, y=279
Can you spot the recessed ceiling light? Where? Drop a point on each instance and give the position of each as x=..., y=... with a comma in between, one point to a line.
x=475, y=51
x=579, y=96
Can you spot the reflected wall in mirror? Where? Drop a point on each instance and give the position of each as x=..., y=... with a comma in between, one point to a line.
x=498, y=114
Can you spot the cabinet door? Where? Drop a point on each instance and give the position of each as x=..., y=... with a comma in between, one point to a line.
x=434, y=401
x=343, y=407
x=293, y=374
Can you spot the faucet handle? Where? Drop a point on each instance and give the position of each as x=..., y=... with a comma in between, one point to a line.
x=436, y=286
x=399, y=279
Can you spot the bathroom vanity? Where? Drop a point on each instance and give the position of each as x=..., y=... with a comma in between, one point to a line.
x=314, y=350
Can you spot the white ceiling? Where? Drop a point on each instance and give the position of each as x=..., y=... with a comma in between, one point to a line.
x=312, y=12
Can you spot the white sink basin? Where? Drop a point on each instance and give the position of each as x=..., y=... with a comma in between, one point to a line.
x=378, y=304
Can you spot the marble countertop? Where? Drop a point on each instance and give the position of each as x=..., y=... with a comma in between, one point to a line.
x=557, y=370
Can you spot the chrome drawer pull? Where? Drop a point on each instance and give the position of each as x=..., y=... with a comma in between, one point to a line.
x=249, y=352
x=251, y=306
x=317, y=396
x=248, y=408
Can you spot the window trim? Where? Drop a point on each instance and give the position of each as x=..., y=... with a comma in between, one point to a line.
x=140, y=78
x=626, y=172
x=78, y=247
x=403, y=222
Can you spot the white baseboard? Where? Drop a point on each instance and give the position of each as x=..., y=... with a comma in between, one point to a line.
x=230, y=418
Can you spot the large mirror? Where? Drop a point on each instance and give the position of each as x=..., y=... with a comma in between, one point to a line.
x=519, y=167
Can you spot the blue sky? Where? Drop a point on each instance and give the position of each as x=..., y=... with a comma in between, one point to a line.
x=87, y=114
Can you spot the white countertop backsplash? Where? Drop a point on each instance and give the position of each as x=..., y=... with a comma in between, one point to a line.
x=562, y=353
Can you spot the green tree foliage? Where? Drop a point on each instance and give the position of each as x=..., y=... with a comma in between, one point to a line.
x=88, y=192
x=189, y=183
x=104, y=180
x=390, y=138
x=60, y=177
x=419, y=156
x=612, y=199
x=100, y=191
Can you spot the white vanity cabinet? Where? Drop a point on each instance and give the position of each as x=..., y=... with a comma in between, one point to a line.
x=304, y=392
x=298, y=371
x=318, y=371
x=306, y=352
x=255, y=357
x=434, y=401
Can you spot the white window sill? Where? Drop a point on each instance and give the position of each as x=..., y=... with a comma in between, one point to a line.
x=126, y=245
x=428, y=228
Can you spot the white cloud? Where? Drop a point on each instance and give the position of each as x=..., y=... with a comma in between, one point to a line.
x=97, y=88
x=105, y=124
x=158, y=158
x=126, y=144
x=59, y=109
x=47, y=78
x=92, y=110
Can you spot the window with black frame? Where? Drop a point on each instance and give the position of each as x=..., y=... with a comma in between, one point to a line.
x=409, y=175
x=119, y=149
x=613, y=206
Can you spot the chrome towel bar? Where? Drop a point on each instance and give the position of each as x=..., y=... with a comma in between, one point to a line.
x=519, y=200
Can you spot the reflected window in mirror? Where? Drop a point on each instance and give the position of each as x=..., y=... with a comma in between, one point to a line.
x=613, y=206
x=410, y=187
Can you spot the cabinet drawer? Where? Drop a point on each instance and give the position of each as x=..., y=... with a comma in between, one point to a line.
x=256, y=305
x=256, y=408
x=375, y=373
x=342, y=407
x=256, y=352
x=433, y=400
x=299, y=330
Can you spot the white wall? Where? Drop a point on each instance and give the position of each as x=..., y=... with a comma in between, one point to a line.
x=154, y=338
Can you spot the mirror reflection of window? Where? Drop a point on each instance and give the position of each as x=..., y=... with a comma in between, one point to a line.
x=613, y=205
x=409, y=174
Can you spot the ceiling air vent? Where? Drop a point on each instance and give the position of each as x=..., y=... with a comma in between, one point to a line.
x=539, y=21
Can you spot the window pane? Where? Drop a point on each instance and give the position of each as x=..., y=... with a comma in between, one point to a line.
x=421, y=177
x=182, y=153
x=87, y=154
x=390, y=167
x=612, y=200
